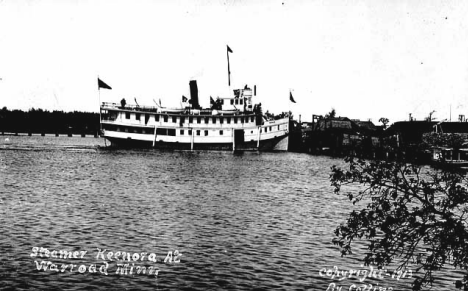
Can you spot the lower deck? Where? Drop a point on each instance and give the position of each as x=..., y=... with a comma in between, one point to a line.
x=275, y=144
x=198, y=136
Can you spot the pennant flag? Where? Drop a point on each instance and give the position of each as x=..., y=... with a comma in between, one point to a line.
x=229, y=50
x=212, y=100
x=291, y=98
x=184, y=99
x=103, y=85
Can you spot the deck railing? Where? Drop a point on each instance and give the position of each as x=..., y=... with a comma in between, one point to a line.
x=111, y=105
x=172, y=111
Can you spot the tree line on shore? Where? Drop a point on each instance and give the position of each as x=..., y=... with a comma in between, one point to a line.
x=51, y=122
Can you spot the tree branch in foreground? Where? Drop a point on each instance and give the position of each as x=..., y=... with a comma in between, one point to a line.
x=410, y=217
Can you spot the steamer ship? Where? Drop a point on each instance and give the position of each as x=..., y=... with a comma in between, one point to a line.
x=231, y=123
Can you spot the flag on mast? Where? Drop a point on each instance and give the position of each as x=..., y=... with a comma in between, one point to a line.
x=103, y=85
x=229, y=50
x=291, y=97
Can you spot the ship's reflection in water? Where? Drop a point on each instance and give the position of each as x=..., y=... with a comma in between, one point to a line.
x=238, y=221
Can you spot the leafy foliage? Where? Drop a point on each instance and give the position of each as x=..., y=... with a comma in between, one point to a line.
x=384, y=121
x=331, y=114
x=272, y=116
x=411, y=216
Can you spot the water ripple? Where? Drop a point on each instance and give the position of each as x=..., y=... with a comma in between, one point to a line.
x=241, y=221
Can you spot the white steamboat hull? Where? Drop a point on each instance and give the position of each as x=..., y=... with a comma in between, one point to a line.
x=274, y=144
x=182, y=132
x=194, y=129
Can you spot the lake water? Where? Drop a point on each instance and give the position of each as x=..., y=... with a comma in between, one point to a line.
x=231, y=221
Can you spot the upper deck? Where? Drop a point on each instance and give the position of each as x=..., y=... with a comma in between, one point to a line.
x=108, y=106
x=239, y=104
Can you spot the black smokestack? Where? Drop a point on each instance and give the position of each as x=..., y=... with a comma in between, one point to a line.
x=194, y=94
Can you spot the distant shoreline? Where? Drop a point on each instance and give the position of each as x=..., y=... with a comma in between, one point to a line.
x=42, y=122
x=25, y=134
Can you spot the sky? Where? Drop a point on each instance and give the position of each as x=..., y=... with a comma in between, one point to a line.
x=365, y=59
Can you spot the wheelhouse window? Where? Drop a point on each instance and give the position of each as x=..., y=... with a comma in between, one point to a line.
x=156, y=117
x=127, y=115
x=198, y=132
x=166, y=118
x=221, y=120
x=171, y=131
x=206, y=132
x=174, y=119
x=228, y=120
x=235, y=119
x=207, y=120
x=190, y=119
x=214, y=120
x=137, y=116
x=189, y=132
x=181, y=132
x=198, y=119
x=221, y=132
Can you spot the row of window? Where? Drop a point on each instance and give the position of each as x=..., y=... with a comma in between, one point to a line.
x=198, y=132
x=130, y=129
x=165, y=131
x=237, y=102
x=191, y=119
x=269, y=128
x=159, y=131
